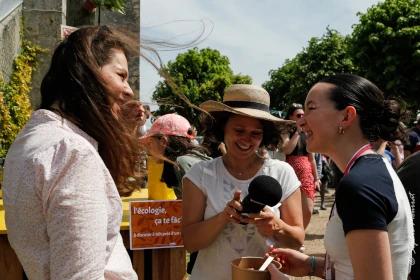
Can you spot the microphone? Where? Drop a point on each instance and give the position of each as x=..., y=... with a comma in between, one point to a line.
x=263, y=190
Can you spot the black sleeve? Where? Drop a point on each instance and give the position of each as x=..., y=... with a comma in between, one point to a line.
x=365, y=203
x=409, y=174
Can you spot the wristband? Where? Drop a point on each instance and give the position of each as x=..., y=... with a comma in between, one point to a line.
x=312, y=266
x=317, y=179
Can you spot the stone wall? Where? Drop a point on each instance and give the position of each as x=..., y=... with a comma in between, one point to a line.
x=9, y=41
x=43, y=19
x=42, y=26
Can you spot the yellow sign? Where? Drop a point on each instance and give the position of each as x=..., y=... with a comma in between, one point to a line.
x=155, y=224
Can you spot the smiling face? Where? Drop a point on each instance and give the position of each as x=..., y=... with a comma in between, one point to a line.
x=115, y=75
x=243, y=136
x=321, y=121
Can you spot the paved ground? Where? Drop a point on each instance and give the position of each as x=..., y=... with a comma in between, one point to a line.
x=314, y=244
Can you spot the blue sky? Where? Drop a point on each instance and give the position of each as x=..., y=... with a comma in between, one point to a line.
x=256, y=35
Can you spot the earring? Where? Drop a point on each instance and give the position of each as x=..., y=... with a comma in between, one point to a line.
x=341, y=130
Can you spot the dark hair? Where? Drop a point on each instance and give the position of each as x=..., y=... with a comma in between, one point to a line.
x=214, y=129
x=292, y=109
x=291, y=128
x=179, y=146
x=379, y=118
x=74, y=83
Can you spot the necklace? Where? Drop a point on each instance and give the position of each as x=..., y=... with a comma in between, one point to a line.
x=246, y=168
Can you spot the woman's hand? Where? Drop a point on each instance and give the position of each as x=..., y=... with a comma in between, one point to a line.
x=317, y=184
x=266, y=222
x=133, y=114
x=232, y=208
x=293, y=262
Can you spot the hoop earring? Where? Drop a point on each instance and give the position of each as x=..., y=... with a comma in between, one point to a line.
x=341, y=130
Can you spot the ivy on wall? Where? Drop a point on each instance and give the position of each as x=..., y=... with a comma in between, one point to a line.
x=15, y=106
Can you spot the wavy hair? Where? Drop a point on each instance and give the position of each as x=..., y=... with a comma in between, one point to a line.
x=75, y=85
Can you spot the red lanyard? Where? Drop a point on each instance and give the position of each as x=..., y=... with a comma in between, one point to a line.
x=356, y=156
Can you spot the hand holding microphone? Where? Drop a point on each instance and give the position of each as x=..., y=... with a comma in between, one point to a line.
x=232, y=208
x=263, y=190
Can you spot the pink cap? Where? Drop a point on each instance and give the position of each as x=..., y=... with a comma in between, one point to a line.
x=170, y=124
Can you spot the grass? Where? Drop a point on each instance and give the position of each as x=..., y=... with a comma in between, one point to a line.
x=187, y=261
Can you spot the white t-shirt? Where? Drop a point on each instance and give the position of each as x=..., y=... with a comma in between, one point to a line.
x=371, y=196
x=236, y=240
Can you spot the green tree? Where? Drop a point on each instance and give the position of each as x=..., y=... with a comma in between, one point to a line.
x=322, y=57
x=201, y=75
x=280, y=83
x=385, y=46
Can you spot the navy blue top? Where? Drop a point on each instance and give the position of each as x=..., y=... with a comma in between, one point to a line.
x=371, y=186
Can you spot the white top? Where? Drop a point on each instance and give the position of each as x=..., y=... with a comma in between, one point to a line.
x=371, y=196
x=63, y=210
x=236, y=240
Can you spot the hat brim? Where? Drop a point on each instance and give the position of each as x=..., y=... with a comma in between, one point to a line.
x=214, y=106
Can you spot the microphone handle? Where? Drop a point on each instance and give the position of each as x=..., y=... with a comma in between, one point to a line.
x=249, y=207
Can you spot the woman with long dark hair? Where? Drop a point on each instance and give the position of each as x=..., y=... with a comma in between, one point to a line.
x=66, y=170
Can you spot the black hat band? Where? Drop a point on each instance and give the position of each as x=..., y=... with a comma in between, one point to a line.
x=247, y=104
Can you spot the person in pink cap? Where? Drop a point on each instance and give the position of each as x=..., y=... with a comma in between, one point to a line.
x=169, y=141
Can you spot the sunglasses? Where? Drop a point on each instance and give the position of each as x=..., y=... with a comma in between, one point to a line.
x=297, y=105
x=298, y=115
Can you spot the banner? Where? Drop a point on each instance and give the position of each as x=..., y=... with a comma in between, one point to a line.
x=155, y=224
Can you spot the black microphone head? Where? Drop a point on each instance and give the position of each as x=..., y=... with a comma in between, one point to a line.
x=266, y=190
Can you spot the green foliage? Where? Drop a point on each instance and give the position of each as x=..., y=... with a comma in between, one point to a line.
x=201, y=75
x=323, y=57
x=15, y=107
x=385, y=46
x=112, y=5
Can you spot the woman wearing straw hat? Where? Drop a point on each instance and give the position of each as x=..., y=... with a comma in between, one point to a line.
x=213, y=189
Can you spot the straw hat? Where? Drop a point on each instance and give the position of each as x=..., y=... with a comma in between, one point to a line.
x=247, y=100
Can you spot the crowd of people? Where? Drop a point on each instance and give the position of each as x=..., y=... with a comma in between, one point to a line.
x=89, y=137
